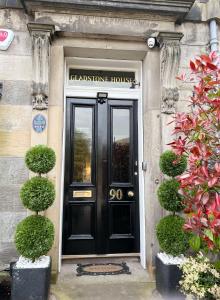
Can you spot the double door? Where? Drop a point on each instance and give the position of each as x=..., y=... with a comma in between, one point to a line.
x=101, y=211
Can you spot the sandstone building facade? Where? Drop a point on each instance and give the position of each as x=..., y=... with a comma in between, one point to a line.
x=79, y=77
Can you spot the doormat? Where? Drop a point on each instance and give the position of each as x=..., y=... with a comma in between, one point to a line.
x=102, y=269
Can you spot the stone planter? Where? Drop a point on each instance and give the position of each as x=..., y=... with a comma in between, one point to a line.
x=30, y=284
x=167, y=280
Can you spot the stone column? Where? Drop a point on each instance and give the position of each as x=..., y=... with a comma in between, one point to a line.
x=169, y=68
x=159, y=100
x=152, y=151
x=55, y=141
x=41, y=35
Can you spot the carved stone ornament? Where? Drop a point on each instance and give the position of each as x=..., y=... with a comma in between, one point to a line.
x=41, y=39
x=39, y=97
x=40, y=102
x=169, y=98
x=170, y=59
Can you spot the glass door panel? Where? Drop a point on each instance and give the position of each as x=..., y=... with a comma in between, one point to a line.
x=82, y=145
x=121, y=154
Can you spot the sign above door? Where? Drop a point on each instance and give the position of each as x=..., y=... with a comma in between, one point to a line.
x=117, y=79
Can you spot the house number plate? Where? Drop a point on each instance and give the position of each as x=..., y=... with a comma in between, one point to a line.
x=116, y=194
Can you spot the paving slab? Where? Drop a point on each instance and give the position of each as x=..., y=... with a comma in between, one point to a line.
x=139, y=285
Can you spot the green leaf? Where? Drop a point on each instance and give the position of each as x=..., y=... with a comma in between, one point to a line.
x=217, y=241
x=217, y=265
x=195, y=243
x=209, y=234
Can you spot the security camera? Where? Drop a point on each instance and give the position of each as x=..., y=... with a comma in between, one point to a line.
x=152, y=42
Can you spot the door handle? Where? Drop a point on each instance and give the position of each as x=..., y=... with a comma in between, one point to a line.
x=130, y=194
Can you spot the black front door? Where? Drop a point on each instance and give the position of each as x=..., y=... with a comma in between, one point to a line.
x=101, y=177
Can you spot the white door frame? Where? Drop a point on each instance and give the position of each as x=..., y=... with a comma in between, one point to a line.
x=113, y=93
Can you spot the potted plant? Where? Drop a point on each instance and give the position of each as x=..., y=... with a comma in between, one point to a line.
x=200, y=279
x=35, y=235
x=173, y=241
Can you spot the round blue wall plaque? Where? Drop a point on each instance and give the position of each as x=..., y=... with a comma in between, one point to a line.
x=39, y=123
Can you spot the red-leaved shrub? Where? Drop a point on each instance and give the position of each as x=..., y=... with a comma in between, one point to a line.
x=198, y=137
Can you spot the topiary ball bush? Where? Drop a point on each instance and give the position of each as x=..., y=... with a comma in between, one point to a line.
x=40, y=159
x=169, y=197
x=37, y=194
x=172, y=238
x=34, y=236
x=172, y=164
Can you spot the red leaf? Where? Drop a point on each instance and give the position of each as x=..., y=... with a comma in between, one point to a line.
x=192, y=66
x=187, y=210
x=195, y=151
x=212, y=182
x=198, y=181
x=217, y=200
x=213, y=55
x=199, y=196
x=204, y=222
x=205, y=171
x=211, y=66
x=217, y=167
x=184, y=176
x=181, y=77
x=206, y=58
x=198, y=62
x=187, y=226
x=205, y=198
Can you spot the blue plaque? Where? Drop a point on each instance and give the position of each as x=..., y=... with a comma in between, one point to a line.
x=39, y=123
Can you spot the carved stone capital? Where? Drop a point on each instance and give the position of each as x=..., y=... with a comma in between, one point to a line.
x=169, y=62
x=166, y=36
x=41, y=35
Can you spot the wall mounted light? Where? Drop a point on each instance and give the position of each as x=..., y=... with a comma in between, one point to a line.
x=102, y=97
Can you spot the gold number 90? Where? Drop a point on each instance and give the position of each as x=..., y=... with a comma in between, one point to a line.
x=118, y=194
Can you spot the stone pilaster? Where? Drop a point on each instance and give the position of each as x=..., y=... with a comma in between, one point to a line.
x=169, y=68
x=41, y=35
x=169, y=58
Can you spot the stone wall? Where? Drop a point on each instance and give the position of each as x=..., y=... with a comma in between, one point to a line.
x=15, y=126
x=16, y=134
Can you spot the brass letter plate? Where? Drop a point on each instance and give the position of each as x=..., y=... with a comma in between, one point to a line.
x=82, y=194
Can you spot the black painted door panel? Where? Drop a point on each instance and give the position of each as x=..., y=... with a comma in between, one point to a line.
x=101, y=177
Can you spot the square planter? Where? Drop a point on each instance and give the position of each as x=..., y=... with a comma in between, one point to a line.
x=30, y=283
x=167, y=280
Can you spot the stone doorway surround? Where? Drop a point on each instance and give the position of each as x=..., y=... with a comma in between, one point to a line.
x=51, y=44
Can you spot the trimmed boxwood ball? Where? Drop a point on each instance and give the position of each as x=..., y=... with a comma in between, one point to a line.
x=172, y=164
x=40, y=159
x=34, y=236
x=169, y=197
x=172, y=238
x=37, y=194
